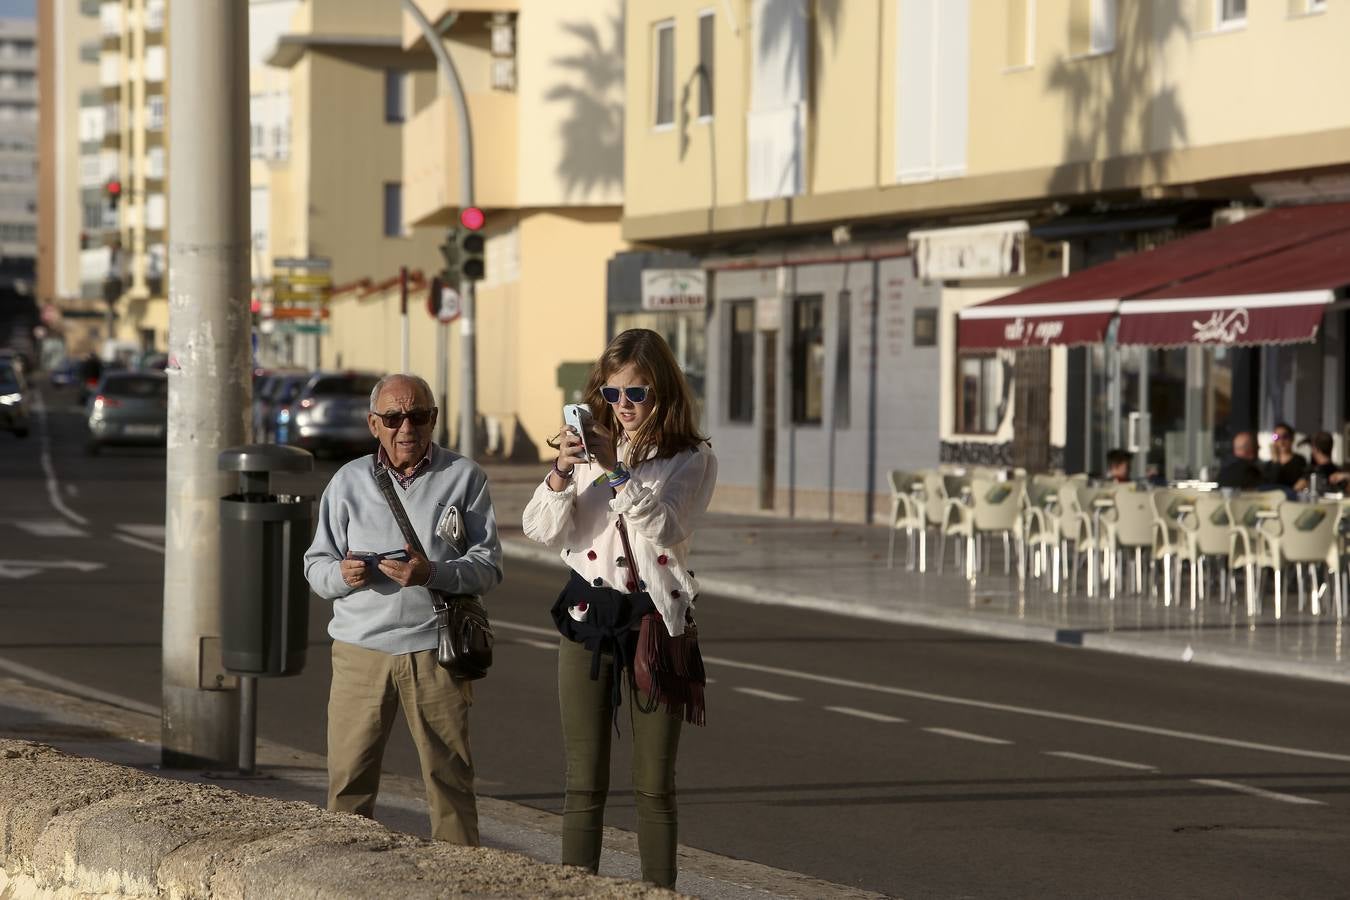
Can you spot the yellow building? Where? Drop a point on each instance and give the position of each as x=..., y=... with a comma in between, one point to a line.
x=817, y=156
x=336, y=190
x=544, y=85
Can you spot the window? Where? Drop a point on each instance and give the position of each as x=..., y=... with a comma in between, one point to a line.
x=664, y=77
x=776, y=123
x=394, y=93
x=393, y=209
x=808, y=360
x=1102, y=26
x=706, y=23
x=741, y=380
x=1020, y=51
x=979, y=385
x=932, y=89
x=843, y=358
x=925, y=327
x=1231, y=13
x=155, y=113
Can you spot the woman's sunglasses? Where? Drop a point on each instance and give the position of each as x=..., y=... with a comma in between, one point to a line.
x=394, y=420
x=634, y=394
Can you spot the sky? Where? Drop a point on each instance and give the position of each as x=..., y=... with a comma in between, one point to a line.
x=16, y=9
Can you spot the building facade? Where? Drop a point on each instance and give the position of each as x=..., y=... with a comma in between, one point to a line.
x=990, y=146
x=18, y=182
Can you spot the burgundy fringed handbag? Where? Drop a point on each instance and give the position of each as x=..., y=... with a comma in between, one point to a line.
x=669, y=670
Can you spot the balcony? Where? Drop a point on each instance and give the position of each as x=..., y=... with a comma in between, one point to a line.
x=436, y=10
x=431, y=157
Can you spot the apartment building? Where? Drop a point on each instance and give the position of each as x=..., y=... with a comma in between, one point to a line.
x=75, y=219
x=544, y=83
x=852, y=176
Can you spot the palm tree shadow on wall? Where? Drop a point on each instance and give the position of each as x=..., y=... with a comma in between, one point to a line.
x=592, y=133
x=1121, y=127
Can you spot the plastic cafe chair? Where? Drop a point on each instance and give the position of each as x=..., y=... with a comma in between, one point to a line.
x=995, y=508
x=1207, y=529
x=1128, y=526
x=1040, y=527
x=1247, y=552
x=906, y=515
x=1170, y=544
x=1075, y=526
x=1303, y=536
x=934, y=513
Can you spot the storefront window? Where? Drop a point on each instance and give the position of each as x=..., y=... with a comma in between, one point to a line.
x=808, y=360
x=979, y=386
x=741, y=372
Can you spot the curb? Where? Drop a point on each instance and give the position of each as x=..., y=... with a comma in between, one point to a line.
x=988, y=626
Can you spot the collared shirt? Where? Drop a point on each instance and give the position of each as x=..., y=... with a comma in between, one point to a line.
x=405, y=480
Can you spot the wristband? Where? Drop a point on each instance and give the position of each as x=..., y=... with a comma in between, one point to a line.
x=565, y=476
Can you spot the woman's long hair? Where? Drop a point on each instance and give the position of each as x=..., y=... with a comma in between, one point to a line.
x=670, y=429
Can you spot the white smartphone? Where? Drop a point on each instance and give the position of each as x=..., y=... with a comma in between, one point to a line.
x=578, y=415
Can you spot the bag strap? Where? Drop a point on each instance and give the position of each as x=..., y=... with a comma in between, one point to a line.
x=628, y=550
x=396, y=507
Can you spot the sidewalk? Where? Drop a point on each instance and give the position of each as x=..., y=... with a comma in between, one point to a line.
x=94, y=728
x=841, y=567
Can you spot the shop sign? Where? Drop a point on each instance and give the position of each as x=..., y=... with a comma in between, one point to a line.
x=1041, y=331
x=1223, y=327
x=674, y=289
x=996, y=250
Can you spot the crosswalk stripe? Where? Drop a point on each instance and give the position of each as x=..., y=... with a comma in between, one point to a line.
x=49, y=528
x=149, y=532
x=767, y=695
x=864, y=714
x=967, y=736
x=1256, y=791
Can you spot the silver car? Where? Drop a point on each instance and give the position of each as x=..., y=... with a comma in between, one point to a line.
x=13, y=400
x=129, y=408
x=329, y=414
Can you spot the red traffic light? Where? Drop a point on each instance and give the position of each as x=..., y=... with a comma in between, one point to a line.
x=471, y=217
x=114, y=188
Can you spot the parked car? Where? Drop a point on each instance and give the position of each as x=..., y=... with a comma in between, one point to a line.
x=265, y=385
x=330, y=413
x=13, y=400
x=129, y=408
x=284, y=394
x=65, y=373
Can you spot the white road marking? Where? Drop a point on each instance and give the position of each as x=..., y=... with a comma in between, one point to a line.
x=23, y=568
x=48, y=528
x=53, y=486
x=542, y=645
x=1000, y=707
x=767, y=695
x=1257, y=792
x=967, y=736
x=149, y=532
x=137, y=542
x=1103, y=760
x=864, y=714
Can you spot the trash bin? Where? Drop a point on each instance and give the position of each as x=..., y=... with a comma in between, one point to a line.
x=263, y=538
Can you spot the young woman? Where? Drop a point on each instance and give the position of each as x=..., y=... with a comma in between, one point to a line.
x=623, y=521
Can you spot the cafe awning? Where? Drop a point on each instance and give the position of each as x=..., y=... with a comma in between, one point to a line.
x=1193, y=275
x=1277, y=298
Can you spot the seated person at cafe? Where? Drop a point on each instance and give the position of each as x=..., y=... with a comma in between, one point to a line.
x=1286, y=468
x=1118, y=465
x=1321, y=445
x=1242, y=472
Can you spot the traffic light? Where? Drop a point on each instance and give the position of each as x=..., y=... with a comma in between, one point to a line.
x=114, y=191
x=470, y=243
x=450, y=253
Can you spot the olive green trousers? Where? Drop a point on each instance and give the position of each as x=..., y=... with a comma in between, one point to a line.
x=588, y=727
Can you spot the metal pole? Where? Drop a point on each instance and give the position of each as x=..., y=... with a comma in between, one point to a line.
x=248, y=724
x=403, y=311
x=468, y=351
x=209, y=383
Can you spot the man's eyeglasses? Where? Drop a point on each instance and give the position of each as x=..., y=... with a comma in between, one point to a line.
x=634, y=394
x=394, y=420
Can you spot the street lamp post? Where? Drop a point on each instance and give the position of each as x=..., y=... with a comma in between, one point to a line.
x=468, y=350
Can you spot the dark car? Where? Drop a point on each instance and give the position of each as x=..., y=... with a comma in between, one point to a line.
x=330, y=413
x=129, y=408
x=13, y=400
x=266, y=385
x=65, y=373
x=285, y=393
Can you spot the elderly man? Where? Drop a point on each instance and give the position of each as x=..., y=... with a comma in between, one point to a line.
x=383, y=625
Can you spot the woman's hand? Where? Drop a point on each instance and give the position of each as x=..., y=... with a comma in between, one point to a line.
x=570, y=450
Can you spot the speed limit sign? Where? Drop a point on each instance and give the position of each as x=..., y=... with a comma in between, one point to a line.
x=450, y=307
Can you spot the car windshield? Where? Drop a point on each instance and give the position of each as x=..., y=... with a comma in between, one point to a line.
x=9, y=382
x=344, y=386
x=286, y=390
x=136, y=386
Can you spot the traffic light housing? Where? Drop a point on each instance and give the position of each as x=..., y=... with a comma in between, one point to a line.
x=114, y=191
x=470, y=244
x=450, y=253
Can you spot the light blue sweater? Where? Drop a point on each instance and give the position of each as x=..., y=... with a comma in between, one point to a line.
x=353, y=515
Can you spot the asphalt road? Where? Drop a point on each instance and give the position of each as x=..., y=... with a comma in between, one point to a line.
x=908, y=761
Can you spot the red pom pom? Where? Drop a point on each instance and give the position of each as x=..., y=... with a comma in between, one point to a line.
x=662, y=560
x=590, y=554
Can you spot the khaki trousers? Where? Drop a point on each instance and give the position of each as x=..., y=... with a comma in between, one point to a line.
x=367, y=689
x=588, y=724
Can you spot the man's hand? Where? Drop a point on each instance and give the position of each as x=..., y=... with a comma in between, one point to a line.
x=414, y=572
x=354, y=572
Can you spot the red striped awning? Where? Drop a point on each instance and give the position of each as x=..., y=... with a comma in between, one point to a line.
x=1287, y=262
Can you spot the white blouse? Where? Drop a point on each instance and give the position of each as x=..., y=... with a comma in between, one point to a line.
x=659, y=506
